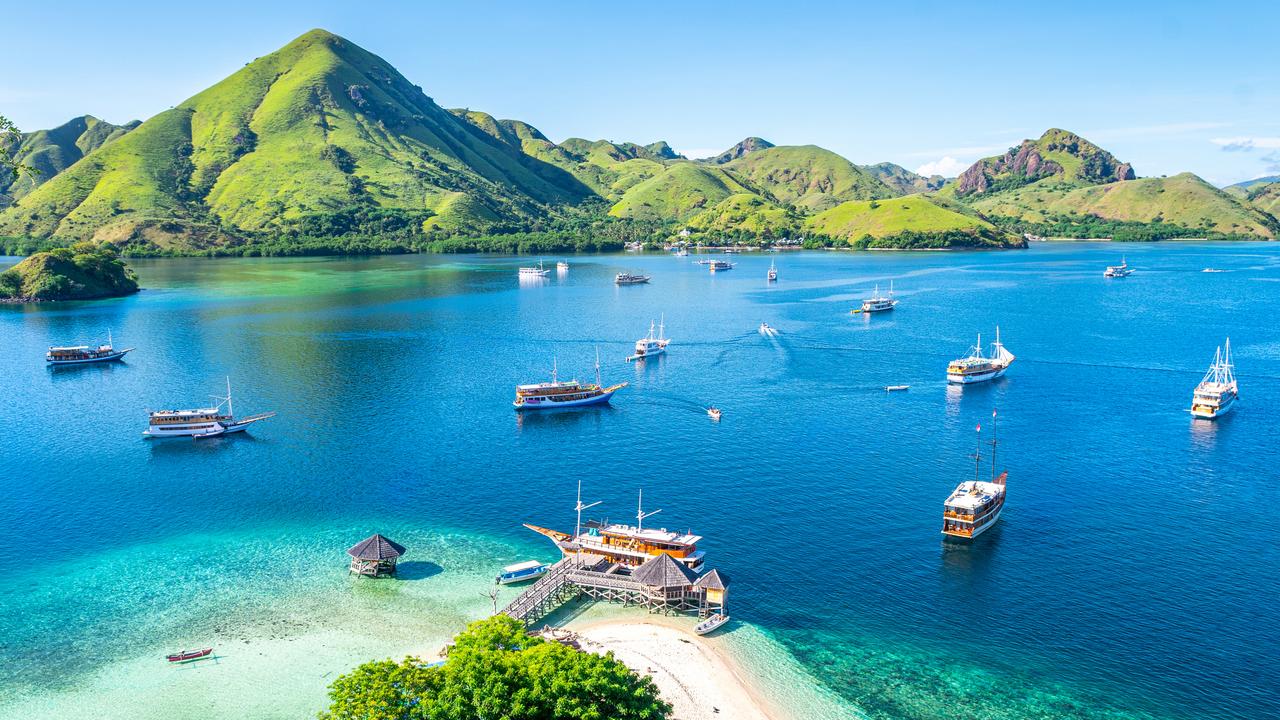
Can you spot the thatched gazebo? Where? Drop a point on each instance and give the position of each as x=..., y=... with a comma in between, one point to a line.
x=375, y=556
x=668, y=583
x=715, y=586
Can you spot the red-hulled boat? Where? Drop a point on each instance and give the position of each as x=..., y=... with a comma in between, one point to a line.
x=189, y=655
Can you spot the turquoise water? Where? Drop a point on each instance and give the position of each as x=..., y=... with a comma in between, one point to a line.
x=1133, y=574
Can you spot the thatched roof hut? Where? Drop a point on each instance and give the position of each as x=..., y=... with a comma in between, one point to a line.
x=713, y=580
x=664, y=571
x=375, y=556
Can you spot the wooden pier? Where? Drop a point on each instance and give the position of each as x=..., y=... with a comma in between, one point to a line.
x=660, y=584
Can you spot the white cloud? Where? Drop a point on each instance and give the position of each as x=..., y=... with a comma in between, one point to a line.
x=1246, y=143
x=945, y=166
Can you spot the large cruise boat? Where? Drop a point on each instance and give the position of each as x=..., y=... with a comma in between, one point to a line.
x=534, y=272
x=627, y=545
x=975, y=504
x=81, y=354
x=719, y=265
x=563, y=394
x=202, y=422
x=878, y=302
x=1216, y=394
x=979, y=368
x=652, y=344
x=1118, y=271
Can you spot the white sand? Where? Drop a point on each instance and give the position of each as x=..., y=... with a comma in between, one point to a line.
x=691, y=674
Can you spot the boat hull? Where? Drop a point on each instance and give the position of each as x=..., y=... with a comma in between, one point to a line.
x=515, y=580
x=977, y=531
x=1212, y=413
x=601, y=399
x=105, y=358
x=970, y=379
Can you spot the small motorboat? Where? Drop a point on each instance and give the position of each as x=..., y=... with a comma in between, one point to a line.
x=710, y=624
x=896, y=388
x=714, y=413
x=773, y=272
x=562, y=266
x=189, y=655
x=1213, y=270
x=766, y=330
x=522, y=572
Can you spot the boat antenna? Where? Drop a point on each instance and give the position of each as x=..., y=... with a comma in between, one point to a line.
x=641, y=514
x=579, y=507
x=977, y=454
x=993, y=444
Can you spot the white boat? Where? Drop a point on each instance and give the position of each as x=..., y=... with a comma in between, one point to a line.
x=714, y=413
x=896, y=388
x=651, y=344
x=979, y=368
x=557, y=394
x=534, y=272
x=975, y=505
x=1217, y=393
x=1213, y=270
x=1118, y=271
x=710, y=624
x=562, y=266
x=522, y=572
x=207, y=422
x=81, y=354
x=767, y=331
x=629, y=279
x=719, y=265
x=878, y=302
x=773, y=272
x=681, y=252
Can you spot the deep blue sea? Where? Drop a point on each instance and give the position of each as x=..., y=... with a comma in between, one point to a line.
x=1134, y=573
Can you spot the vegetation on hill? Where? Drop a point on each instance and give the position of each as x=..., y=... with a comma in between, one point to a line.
x=1178, y=206
x=678, y=193
x=746, y=215
x=1058, y=154
x=497, y=670
x=45, y=153
x=744, y=147
x=903, y=180
x=807, y=176
x=83, y=271
x=912, y=221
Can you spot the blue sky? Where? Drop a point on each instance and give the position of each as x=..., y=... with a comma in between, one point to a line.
x=1168, y=86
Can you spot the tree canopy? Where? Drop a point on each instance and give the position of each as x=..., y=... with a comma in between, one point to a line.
x=497, y=671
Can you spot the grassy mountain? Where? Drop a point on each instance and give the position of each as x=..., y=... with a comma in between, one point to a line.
x=679, y=192
x=750, y=214
x=1241, y=189
x=313, y=129
x=1265, y=197
x=903, y=180
x=49, y=152
x=807, y=176
x=1058, y=155
x=914, y=214
x=1184, y=204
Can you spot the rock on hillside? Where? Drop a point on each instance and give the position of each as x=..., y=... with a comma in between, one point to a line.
x=748, y=145
x=1058, y=153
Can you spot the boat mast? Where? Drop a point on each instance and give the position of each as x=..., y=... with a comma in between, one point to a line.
x=579, y=507
x=1228, y=376
x=977, y=455
x=553, y=370
x=598, y=368
x=993, y=444
x=230, y=411
x=109, y=343
x=978, y=349
x=641, y=514
x=662, y=325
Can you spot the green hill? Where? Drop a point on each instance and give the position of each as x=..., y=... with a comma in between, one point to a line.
x=806, y=176
x=82, y=272
x=1265, y=197
x=750, y=214
x=913, y=215
x=903, y=180
x=49, y=152
x=679, y=192
x=1058, y=155
x=744, y=147
x=314, y=129
x=1178, y=206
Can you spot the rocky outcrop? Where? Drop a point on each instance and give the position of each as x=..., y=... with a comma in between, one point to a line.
x=749, y=145
x=1032, y=160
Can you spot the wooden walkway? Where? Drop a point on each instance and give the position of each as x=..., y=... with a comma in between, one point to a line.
x=592, y=576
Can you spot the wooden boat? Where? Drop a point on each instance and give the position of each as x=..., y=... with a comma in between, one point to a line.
x=710, y=624
x=189, y=655
x=81, y=354
x=895, y=388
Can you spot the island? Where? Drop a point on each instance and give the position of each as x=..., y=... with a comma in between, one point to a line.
x=83, y=271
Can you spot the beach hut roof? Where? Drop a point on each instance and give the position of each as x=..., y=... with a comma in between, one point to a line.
x=713, y=581
x=376, y=547
x=664, y=571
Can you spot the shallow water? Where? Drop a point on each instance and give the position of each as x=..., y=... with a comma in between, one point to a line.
x=1127, y=579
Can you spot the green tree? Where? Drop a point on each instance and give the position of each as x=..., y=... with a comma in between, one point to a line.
x=10, y=135
x=497, y=671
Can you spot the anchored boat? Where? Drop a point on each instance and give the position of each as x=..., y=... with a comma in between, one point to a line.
x=878, y=302
x=979, y=368
x=566, y=394
x=975, y=505
x=651, y=344
x=708, y=626
x=185, y=656
x=719, y=265
x=629, y=279
x=81, y=354
x=1118, y=271
x=773, y=272
x=522, y=572
x=202, y=422
x=534, y=272
x=626, y=545
x=1217, y=393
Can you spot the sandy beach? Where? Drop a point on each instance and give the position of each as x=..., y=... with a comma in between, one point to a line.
x=691, y=673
